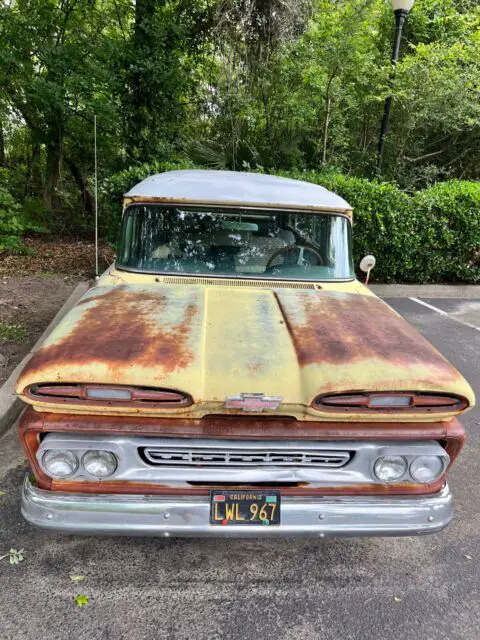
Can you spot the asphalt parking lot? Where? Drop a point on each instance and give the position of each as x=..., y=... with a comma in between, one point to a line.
x=369, y=589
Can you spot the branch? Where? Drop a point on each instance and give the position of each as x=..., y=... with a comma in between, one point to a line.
x=424, y=157
x=119, y=18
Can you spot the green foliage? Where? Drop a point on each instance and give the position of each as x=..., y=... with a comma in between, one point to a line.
x=15, y=556
x=12, y=332
x=449, y=231
x=432, y=235
x=81, y=600
x=16, y=219
x=263, y=85
x=11, y=224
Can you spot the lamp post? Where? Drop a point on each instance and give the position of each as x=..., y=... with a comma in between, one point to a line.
x=401, y=9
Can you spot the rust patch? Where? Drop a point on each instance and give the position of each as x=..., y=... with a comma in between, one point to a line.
x=136, y=488
x=347, y=328
x=451, y=434
x=120, y=329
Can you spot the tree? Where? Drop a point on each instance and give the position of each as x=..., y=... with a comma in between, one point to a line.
x=52, y=69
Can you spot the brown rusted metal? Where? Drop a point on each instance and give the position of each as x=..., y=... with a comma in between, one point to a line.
x=401, y=488
x=118, y=330
x=343, y=329
x=278, y=206
x=450, y=434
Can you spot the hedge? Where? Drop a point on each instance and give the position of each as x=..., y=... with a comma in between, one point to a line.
x=428, y=236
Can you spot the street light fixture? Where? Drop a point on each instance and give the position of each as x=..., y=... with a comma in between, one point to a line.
x=401, y=9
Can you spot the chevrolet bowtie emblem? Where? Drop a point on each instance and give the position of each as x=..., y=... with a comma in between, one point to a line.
x=252, y=402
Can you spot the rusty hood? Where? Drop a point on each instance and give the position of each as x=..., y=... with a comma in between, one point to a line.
x=213, y=342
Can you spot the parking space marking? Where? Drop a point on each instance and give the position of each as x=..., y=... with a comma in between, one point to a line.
x=429, y=306
x=444, y=313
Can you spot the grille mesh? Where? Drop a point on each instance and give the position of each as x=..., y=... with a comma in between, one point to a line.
x=227, y=282
x=224, y=458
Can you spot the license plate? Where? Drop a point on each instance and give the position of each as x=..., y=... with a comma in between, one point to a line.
x=260, y=508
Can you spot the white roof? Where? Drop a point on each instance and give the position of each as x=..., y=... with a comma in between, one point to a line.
x=236, y=188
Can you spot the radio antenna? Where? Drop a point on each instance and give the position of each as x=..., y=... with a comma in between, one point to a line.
x=96, y=197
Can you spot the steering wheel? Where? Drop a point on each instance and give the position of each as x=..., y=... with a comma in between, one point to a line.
x=300, y=262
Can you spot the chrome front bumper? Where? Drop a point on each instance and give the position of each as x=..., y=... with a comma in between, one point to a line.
x=189, y=515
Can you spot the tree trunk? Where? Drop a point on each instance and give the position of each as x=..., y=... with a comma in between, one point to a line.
x=325, y=129
x=140, y=83
x=54, y=157
x=2, y=146
x=328, y=108
x=35, y=172
x=87, y=198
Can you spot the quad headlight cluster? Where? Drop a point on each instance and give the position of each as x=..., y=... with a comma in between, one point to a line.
x=63, y=463
x=422, y=469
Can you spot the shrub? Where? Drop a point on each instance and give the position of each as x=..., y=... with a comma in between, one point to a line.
x=449, y=230
x=382, y=216
x=112, y=190
x=428, y=236
x=11, y=227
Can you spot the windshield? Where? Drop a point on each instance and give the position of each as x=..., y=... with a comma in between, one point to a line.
x=236, y=242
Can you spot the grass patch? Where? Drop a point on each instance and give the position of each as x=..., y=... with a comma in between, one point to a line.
x=12, y=332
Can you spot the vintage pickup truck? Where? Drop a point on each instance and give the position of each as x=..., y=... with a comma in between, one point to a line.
x=229, y=376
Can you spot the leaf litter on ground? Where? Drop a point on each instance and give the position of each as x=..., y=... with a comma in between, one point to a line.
x=81, y=600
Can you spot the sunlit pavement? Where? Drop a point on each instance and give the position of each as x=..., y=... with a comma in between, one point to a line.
x=422, y=588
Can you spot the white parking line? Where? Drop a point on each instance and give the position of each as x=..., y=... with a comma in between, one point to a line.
x=430, y=306
x=444, y=313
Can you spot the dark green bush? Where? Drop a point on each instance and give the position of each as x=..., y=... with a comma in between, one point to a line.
x=430, y=236
x=383, y=220
x=13, y=222
x=448, y=224
x=11, y=227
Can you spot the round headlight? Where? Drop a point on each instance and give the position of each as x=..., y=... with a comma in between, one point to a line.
x=99, y=464
x=59, y=463
x=390, y=468
x=425, y=469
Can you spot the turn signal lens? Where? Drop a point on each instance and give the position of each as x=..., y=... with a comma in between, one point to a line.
x=390, y=468
x=425, y=469
x=390, y=401
x=59, y=463
x=108, y=394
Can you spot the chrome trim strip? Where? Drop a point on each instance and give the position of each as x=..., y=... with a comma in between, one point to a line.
x=230, y=276
x=187, y=516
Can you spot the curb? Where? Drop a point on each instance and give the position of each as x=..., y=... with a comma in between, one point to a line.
x=10, y=405
x=465, y=291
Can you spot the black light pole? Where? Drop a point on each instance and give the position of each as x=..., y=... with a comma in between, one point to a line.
x=401, y=9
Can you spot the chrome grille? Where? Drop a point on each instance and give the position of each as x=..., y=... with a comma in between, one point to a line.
x=227, y=458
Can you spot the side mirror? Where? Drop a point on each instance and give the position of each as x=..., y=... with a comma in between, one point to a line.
x=366, y=265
